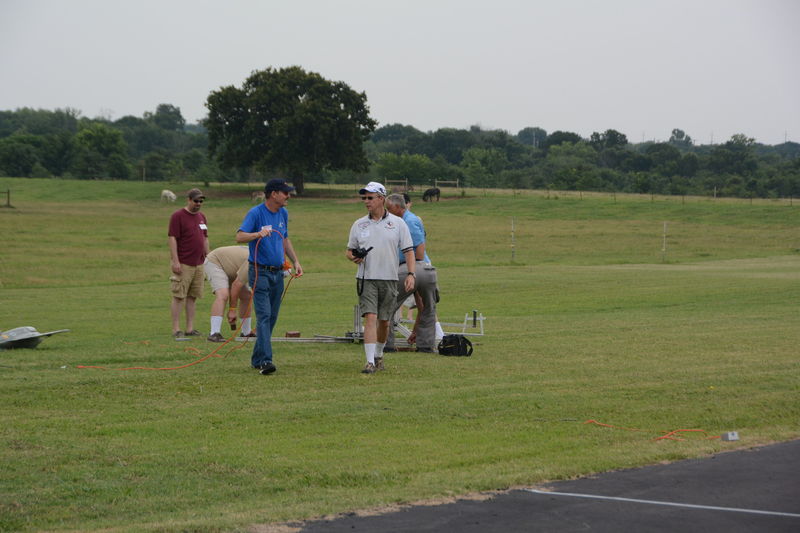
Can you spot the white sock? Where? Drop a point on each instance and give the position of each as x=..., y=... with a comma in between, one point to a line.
x=439, y=330
x=216, y=324
x=246, y=326
x=379, y=349
x=370, y=351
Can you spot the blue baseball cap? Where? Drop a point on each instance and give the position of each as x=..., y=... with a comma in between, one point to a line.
x=277, y=185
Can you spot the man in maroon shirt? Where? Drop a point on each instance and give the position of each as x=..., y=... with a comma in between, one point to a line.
x=188, y=246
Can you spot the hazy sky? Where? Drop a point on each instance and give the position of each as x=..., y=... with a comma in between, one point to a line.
x=712, y=68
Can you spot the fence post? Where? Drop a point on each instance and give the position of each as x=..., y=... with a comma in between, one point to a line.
x=513, y=250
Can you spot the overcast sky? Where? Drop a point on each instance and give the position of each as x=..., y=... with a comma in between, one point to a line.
x=712, y=68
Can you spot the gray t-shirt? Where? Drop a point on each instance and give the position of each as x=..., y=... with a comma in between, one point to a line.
x=385, y=236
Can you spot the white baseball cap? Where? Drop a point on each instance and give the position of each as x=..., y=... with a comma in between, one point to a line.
x=373, y=186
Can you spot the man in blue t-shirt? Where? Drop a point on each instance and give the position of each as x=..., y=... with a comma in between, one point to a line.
x=395, y=203
x=266, y=229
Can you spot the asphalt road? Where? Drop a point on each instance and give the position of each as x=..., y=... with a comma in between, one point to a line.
x=755, y=490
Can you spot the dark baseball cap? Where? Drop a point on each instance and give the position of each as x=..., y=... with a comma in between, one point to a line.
x=194, y=194
x=277, y=185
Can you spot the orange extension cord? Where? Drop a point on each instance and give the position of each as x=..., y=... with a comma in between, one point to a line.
x=218, y=348
x=671, y=435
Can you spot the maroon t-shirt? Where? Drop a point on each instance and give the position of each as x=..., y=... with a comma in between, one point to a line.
x=190, y=231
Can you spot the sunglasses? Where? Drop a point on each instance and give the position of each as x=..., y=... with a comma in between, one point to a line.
x=200, y=201
x=367, y=197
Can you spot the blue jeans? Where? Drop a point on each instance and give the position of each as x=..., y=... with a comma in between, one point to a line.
x=268, y=289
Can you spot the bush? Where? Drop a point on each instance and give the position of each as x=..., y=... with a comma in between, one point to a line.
x=38, y=171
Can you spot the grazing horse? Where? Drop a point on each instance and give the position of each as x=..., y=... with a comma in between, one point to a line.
x=168, y=195
x=257, y=197
x=430, y=194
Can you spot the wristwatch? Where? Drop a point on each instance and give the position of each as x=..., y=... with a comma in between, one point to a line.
x=411, y=274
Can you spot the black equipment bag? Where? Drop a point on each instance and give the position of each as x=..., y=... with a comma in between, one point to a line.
x=455, y=345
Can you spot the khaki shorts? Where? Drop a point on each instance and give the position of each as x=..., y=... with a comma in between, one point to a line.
x=378, y=297
x=216, y=276
x=188, y=283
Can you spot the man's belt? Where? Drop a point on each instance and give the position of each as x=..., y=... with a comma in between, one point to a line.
x=268, y=268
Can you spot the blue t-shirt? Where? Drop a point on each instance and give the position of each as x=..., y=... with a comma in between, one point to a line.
x=270, y=249
x=417, y=231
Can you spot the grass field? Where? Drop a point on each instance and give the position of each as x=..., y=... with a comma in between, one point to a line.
x=589, y=317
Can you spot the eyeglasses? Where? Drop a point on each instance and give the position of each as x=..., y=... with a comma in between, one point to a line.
x=367, y=197
x=200, y=201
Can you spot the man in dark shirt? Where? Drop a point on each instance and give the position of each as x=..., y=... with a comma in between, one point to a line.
x=188, y=246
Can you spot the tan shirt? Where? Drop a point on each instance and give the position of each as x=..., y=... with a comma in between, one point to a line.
x=232, y=260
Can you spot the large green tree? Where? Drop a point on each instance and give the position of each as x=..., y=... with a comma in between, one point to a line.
x=291, y=121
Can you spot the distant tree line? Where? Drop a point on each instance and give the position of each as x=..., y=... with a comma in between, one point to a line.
x=61, y=143
x=161, y=146
x=561, y=160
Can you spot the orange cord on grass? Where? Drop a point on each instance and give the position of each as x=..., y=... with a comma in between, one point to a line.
x=667, y=434
x=214, y=353
x=287, y=265
x=670, y=437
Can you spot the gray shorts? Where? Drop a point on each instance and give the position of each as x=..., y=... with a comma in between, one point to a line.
x=378, y=297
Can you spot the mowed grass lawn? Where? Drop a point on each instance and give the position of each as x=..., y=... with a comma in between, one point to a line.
x=588, y=317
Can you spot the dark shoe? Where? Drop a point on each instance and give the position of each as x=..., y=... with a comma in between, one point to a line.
x=369, y=369
x=177, y=334
x=193, y=333
x=379, y=363
x=252, y=334
x=425, y=350
x=216, y=337
x=389, y=349
x=267, y=368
